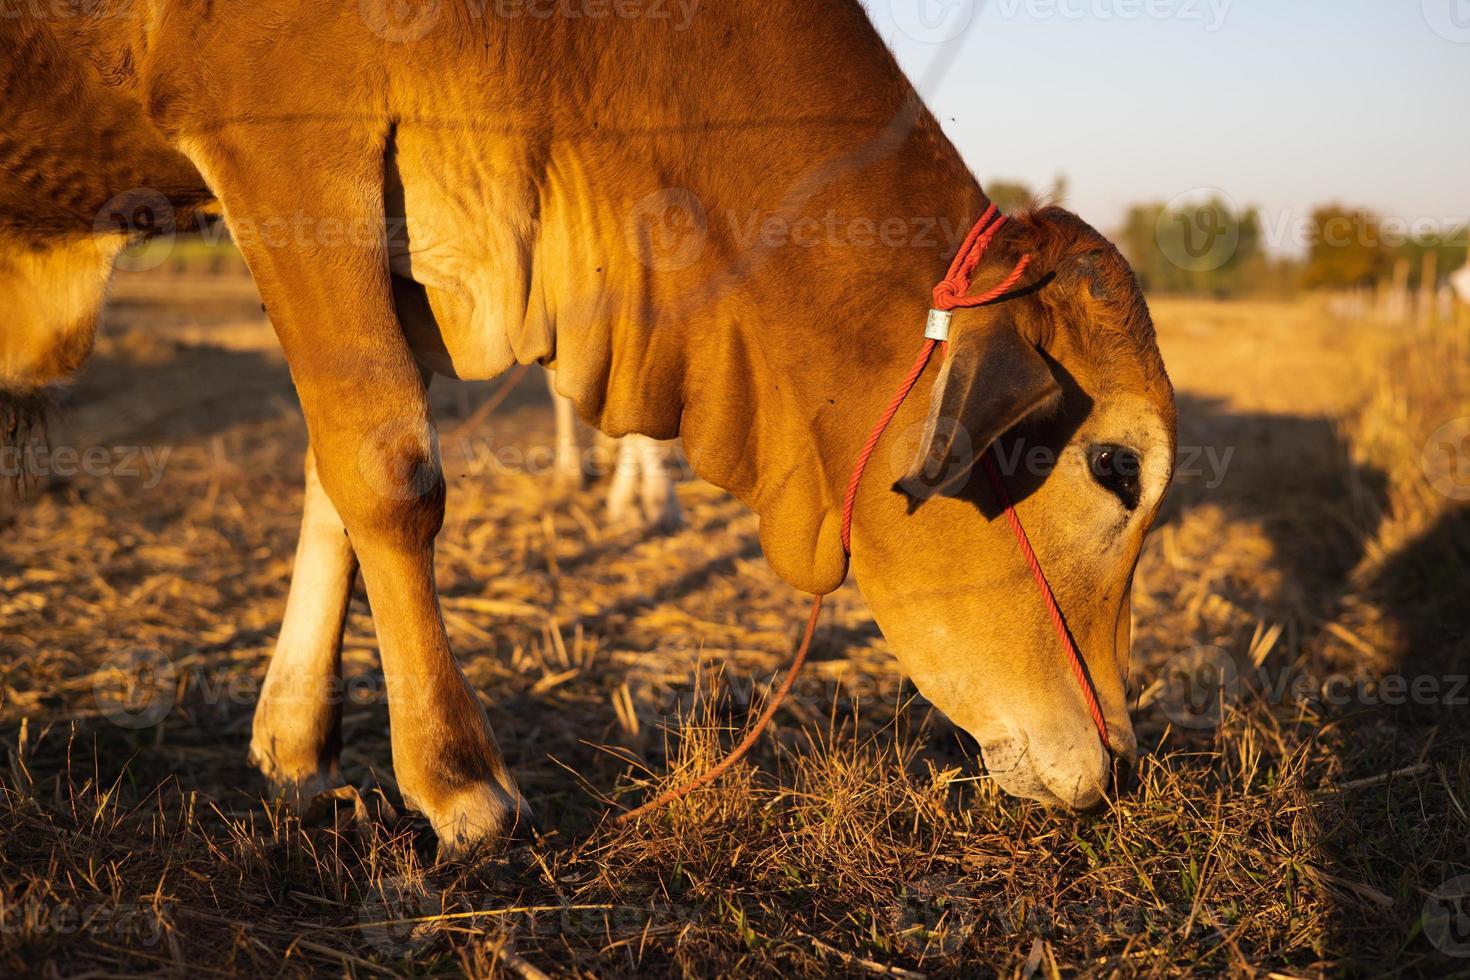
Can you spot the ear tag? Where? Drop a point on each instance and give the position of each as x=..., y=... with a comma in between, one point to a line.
x=938, y=328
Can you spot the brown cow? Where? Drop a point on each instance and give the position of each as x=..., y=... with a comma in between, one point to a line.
x=526, y=170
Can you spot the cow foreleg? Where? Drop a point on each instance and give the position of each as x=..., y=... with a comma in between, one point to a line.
x=377, y=455
x=296, y=737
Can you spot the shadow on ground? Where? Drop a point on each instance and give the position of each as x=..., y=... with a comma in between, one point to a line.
x=1385, y=843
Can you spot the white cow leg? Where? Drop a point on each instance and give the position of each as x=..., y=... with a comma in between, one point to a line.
x=642, y=489
x=568, y=472
x=297, y=733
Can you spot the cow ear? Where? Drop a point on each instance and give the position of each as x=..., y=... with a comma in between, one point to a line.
x=992, y=379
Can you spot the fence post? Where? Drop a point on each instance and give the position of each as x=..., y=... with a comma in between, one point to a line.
x=1462, y=304
x=1428, y=291
x=1397, y=302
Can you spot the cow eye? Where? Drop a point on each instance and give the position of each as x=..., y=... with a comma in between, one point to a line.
x=1117, y=469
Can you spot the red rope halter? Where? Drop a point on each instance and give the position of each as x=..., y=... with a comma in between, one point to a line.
x=951, y=294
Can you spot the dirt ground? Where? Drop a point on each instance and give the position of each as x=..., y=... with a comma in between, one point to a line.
x=1309, y=822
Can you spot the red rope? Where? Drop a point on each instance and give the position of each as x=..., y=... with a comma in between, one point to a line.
x=951, y=294
x=1079, y=668
x=739, y=751
x=906, y=386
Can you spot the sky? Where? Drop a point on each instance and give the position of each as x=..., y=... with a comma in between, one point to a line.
x=1282, y=104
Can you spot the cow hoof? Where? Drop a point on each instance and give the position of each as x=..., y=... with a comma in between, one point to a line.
x=299, y=786
x=483, y=818
x=663, y=517
x=667, y=518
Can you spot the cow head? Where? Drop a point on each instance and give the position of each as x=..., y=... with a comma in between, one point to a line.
x=82, y=173
x=1064, y=384
x=52, y=292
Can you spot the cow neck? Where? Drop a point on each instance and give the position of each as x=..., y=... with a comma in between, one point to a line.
x=780, y=381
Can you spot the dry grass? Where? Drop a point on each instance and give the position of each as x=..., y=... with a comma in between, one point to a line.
x=1297, y=835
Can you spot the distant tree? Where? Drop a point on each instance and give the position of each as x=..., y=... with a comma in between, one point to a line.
x=1348, y=249
x=1011, y=196
x=1448, y=246
x=1205, y=248
x=1059, y=187
x=1015, y=196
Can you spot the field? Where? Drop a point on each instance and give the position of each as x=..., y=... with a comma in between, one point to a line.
x=1307, y=815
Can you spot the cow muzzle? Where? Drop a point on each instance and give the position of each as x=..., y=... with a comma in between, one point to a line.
x=1061, y=768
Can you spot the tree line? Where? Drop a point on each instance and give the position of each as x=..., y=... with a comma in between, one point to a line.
x=1210, y=247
